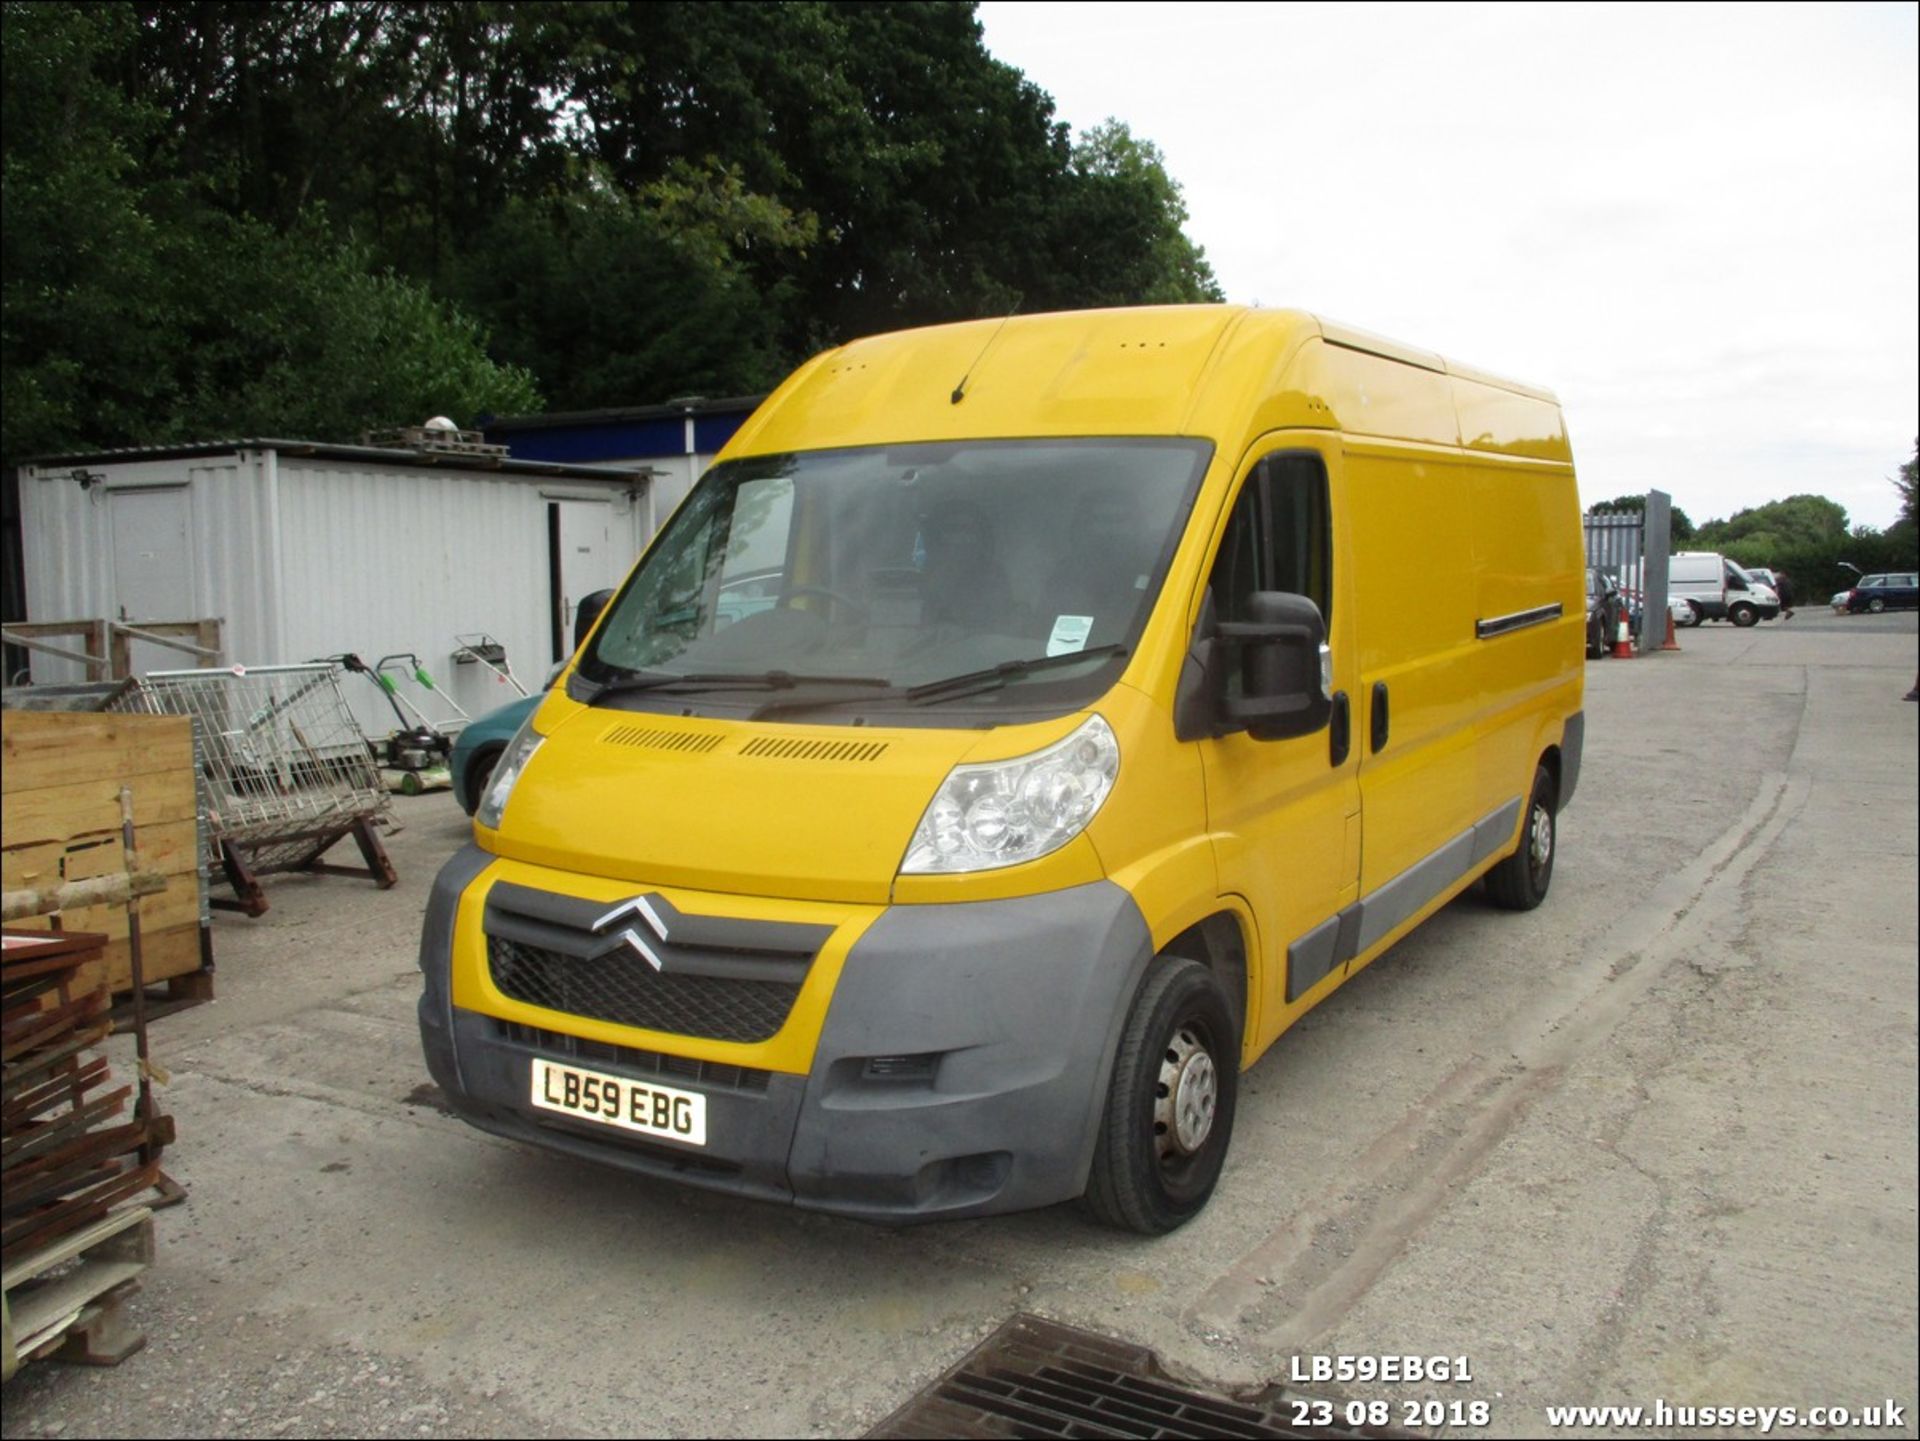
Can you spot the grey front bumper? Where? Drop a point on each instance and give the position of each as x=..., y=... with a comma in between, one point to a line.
x=1009, y=1012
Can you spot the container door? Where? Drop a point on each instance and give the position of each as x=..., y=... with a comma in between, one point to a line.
x=153, y=570
x=584, y=559
x=1285, y=815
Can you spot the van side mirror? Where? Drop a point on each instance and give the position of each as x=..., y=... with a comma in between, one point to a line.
x=1278, y=654
x=587, y=612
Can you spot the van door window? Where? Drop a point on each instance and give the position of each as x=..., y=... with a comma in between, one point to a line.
x=1278, y=538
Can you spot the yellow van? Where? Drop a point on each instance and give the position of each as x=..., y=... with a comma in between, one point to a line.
x=1021, y=725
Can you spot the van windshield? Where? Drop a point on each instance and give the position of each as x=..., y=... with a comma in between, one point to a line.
x=919, y=574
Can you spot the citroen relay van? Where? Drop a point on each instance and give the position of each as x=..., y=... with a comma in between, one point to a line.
x=1127, y=681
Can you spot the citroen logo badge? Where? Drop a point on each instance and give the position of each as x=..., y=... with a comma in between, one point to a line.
x=637, y=907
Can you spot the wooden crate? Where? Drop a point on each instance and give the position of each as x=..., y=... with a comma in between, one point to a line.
x=61, y=782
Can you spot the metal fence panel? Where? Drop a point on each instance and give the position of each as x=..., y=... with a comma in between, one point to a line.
x=1633, y=547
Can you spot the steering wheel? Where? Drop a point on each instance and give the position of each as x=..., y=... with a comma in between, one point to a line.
x=859, y=611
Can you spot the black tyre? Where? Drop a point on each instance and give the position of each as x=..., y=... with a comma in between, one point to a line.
x=1877, y=604
x=1595, y=646
x=480, y=775
x=1743, y=615
x=1519, y=883
x=1169, y=1115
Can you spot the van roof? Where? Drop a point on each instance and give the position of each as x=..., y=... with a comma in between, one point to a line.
x=1153, y=370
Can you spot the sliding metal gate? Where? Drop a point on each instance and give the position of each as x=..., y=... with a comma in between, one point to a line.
x=1632, y=546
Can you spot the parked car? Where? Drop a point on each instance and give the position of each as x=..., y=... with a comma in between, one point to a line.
x=1605, y=606
x=481, y=744
x=479, y=747
x=1895, y=590
x=1839, y=601
x=1763, y=574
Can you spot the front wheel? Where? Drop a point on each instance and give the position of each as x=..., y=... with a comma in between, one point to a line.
x=1519, y=883
x=480, y=775
x=1169, y=1113
x=1743, y=615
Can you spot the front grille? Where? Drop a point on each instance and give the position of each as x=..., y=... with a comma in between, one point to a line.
x=623, y=988
x=715, y=1075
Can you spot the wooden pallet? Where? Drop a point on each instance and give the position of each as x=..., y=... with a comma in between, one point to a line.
x=67, y=1300
x=61, y=823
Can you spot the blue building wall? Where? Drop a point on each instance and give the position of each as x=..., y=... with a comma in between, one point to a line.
x=653, y=432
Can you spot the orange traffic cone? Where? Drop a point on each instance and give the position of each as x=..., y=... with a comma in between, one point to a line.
x=1623, y=641
x=1670, y=643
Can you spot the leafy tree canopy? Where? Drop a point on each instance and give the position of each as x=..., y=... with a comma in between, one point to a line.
x=1779, y=524
x=319, y=216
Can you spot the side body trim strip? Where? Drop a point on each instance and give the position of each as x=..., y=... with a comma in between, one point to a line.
x=1518, y=620
x=1360, y=926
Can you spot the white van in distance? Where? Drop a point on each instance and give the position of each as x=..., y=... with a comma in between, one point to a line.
x=1717, y=589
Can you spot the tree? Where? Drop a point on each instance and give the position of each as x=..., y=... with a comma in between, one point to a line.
x=607, y=202
x=1905, y=532
x=135, y=309
x=599, y=295
x=1117, y=231
x=1757, y=535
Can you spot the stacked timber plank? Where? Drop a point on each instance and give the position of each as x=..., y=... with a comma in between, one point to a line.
x=74, y=1149
x=61, y=825
x=71, y=1150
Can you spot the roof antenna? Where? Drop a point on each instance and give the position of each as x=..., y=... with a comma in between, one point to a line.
x=960, y=390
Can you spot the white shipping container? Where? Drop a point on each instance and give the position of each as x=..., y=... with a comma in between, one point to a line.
x=306, y=551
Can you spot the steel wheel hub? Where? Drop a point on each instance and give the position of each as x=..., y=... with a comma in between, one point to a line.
x=1541, y=845
x=1187, y=1098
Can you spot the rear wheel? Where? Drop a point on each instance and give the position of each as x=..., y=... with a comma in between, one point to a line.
x=1169, y=1114
x=1519, y=883
x=1876, y=605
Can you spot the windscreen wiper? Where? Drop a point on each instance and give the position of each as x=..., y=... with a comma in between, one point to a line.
x=726, y=680
x=992, y=677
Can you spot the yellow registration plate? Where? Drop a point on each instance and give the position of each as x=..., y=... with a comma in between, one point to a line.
x=640, y=1106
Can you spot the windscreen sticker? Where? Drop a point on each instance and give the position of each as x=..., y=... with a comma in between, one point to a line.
x=1070, y=634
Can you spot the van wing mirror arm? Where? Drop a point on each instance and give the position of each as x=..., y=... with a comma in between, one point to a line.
x=1279, y=652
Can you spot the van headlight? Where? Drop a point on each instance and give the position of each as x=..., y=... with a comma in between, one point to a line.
x=1001, y=814
x=513, y=760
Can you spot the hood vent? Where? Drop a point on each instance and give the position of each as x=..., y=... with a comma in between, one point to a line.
x=659, y=740
x=783, y=749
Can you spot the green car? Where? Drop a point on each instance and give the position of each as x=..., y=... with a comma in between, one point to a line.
x=479, y=745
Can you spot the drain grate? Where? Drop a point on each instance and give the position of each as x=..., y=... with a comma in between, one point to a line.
x=1035, y=1378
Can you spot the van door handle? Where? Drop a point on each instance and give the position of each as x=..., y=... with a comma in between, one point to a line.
x=1340, y=730
x=1379, y=716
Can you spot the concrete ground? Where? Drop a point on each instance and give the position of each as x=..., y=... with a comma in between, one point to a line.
x=1652, y=1142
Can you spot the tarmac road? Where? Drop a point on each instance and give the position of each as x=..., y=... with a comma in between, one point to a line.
x=1652, y=1142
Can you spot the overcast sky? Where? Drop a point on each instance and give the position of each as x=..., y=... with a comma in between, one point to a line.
x=1696, y=225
